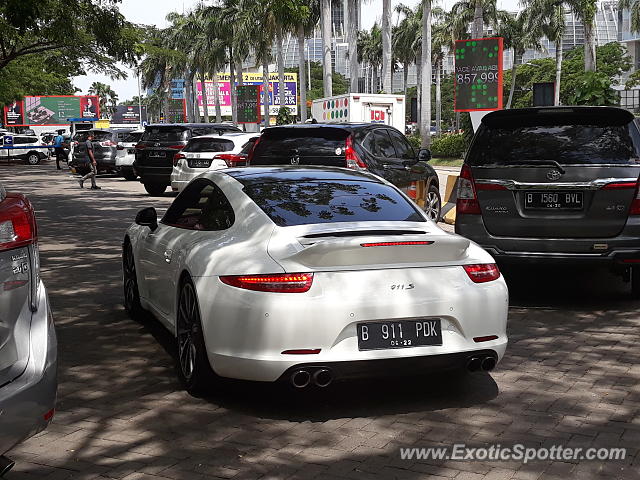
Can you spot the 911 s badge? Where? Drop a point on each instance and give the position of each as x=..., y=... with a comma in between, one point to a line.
x=402, y=286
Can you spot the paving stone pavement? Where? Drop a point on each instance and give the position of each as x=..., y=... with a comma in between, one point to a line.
x=570, y=377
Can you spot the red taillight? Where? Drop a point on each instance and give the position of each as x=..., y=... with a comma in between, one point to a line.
x=351, y=156
x=489, y=186
x=278, y=283
x=230, y=158
x=393, y=244
x=252, y=151
x=176, y=147
x=17, y=222
x=482, y=272
x=635, y=203
x=302, y=351
x=467, y=202
x=620, y=186
x=486, y=338
x=140, y=146
x=177, y=157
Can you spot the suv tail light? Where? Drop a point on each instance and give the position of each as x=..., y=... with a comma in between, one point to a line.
x=635, y=203
x=231, y=159
x=17, y=222
x=482, y=272
x=177, y=157
x=140, y=146
x=252, y=151
x=176, y=147
x=277, y=283
x=467, y=202
x=351, y=156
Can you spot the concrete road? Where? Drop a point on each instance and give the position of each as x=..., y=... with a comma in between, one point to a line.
x=571, y=377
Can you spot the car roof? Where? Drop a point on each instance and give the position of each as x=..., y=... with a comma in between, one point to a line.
x=191, y=125
x=227, y=135
x=341, y=126
x=580, y=115
x=257, y=175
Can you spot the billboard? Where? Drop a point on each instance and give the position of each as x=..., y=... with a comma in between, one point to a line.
x=224, y=89
x=51, y=110
x=249, y=103
x=478, y=74
x=129, y=115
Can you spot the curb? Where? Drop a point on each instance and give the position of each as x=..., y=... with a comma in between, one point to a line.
x=450, y=196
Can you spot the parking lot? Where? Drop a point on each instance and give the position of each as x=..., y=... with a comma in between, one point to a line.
x=571, y=377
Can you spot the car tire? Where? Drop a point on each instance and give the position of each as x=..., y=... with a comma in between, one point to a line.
x=130, y=284
x=129, y=175
x=433, y=203
x=194, y=368
x=635, y=282
x=155, y=189
x=32, y=158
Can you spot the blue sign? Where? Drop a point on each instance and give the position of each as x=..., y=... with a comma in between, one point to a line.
x=7, y=140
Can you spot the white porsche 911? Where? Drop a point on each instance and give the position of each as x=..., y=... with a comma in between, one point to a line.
x=308, y=275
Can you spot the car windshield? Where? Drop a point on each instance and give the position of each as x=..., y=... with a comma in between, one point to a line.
x=133, y=137
x=209, y=145
x=329, y=201
x=283, y=143
x=164, y=134
x=102, y=136
x=566, y=144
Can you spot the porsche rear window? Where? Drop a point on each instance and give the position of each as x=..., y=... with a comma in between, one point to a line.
x=331, y=201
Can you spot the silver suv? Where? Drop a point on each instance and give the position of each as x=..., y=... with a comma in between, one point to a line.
x=28, y=351
x=555, y=184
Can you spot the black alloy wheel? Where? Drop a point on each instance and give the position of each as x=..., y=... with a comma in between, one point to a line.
x=130, y=283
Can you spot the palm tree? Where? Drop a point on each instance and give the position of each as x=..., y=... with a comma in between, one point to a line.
x=370, y=51
x=425, y=110
x=477, y=12
x=305, y=26
x=404, y=38
x=325, y=22
x=518, y=37
x=352, y=40
x=387, y=73
x=634, y=10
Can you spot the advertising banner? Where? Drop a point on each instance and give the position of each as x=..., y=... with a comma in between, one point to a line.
x=51, y=110
x=478, y=74
x=224, y=89
x=129, y=115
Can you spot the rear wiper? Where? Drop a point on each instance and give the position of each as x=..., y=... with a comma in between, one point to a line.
x=541, y=162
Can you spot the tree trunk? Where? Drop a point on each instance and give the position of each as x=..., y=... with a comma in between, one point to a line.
x=514, y=70
x=205, y=99
x=589, y=46
x=325, y=21
x=196, y=106
x=188, y=95
x=302, y=75
x=265, y=92
x=233, y=91
x=280, y=59
x=240, y=78
x=374, y=79
x=438, y=98
x=419, y=86
x=425, y=113
x=405, y=77
x=556, y=91
x=478, y=21
x=352, y=39
x=216, y=97
x=386, y=46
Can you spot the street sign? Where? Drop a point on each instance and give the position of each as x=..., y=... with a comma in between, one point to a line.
x=7, y=140
x=478, y=74
x=248, y=103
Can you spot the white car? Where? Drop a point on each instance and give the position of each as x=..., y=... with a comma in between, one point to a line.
x=126, y=154
x=29, y=149
x=307, y=275
x=210, y=152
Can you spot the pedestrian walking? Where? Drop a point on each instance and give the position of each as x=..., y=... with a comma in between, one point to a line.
x=58, y=142
x=92, y=165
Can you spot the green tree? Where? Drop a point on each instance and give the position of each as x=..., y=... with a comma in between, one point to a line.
x=370, y=51
x=477, y=13
x=107, y=97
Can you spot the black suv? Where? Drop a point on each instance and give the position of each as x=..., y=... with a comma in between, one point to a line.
x=380, y=149
x=158, y=145
x=557, y=184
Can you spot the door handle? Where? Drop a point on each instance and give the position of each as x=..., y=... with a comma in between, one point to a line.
x=167, y=255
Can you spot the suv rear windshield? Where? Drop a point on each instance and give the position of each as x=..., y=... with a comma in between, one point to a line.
x=566, y=144
x=280, y=145
x=330, y=201
x=102, y=136
x=209, y=145
x=164, y=134
x=133, y=137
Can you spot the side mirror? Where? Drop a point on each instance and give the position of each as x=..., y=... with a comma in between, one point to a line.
x=147, y=218
x=424, y=155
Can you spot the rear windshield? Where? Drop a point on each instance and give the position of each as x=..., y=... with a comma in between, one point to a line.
x=164, y=134
x=279, y=146
x=133, y=137
x=102, y=136
x=209, y=145
x=246, y=148
x=331, y=201
x=566, y=144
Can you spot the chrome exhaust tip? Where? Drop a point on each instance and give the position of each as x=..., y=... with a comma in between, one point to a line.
x=488, y=364
x=300, y=378
x=322, y=378
x=5, y=465
x=474, y=364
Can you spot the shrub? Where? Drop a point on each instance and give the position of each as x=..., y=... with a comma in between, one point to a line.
x=449, y=146
x=415, y=141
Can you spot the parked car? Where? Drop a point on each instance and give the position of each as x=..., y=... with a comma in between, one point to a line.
x=28, y=352
x=126, y=154
x=555, y=185
x=210, y=152
x=377, y=148
x=105, y=144
x=28, y=156
x=309, y=274
x=159, y=144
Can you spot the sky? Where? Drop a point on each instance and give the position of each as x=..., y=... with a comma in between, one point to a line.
x=153, y=12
